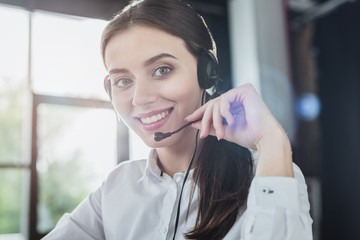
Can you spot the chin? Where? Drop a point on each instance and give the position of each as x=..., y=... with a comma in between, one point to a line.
x=150, y=142
x=160, y=144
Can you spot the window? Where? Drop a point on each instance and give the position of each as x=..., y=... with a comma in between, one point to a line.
x=14, y=46
x=74, y=155
x=58, y=133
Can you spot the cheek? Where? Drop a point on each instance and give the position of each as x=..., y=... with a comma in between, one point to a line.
x=185, y=86
x=122, y=108
x=187, y=97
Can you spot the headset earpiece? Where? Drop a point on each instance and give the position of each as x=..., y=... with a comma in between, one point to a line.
x=207, y=69
x=107, y=86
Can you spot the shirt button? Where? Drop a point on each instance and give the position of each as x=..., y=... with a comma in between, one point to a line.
x=164, y=230
x=267, y=190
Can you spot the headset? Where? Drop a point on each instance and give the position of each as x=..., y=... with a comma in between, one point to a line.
x=207, y=72
x=207, y=69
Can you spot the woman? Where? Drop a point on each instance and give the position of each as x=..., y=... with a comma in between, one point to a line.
x=199, y=182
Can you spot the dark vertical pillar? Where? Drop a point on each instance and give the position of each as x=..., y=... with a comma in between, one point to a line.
x=338, y=43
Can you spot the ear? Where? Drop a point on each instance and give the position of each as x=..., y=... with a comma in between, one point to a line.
x=107, y=86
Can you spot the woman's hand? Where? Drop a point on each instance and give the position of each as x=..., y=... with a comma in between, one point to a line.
x=249, y=124
x=248, y=119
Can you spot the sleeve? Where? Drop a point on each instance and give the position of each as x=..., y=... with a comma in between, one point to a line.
x=278, y=208
x=85, y=222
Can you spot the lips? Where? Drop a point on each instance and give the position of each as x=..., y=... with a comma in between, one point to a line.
x=155, y=119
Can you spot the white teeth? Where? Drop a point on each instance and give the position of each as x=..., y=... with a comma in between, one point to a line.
x=154, y=118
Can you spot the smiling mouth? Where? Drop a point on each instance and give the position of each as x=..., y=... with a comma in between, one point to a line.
x=155, y=118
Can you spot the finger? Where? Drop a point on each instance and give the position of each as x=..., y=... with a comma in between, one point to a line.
x=197, y=114
x=197, y=125
x=225, y=111
x=206, y=121
x=217, y=122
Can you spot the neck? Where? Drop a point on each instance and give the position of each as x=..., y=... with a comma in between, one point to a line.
x=176, y=158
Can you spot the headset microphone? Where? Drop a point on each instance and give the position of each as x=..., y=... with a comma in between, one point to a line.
x=158, y=136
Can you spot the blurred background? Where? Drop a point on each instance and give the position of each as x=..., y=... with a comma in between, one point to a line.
x=59, y=135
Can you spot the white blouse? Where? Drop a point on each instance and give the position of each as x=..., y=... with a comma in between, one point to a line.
x=135, y=202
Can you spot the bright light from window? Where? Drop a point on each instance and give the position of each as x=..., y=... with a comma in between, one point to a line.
x=13, y=44
x=66, y=57
x=13, y=74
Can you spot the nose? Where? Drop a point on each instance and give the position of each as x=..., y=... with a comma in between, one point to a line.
x=144, y=93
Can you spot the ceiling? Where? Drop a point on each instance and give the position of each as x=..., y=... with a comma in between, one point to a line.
x=301, y=11
x=103, y=9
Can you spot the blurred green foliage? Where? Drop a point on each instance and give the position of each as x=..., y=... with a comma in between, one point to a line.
x=10, y=200
x=11, y=116
x=62, y=186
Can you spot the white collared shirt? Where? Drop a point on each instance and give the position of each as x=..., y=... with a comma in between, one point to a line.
x=137, y=202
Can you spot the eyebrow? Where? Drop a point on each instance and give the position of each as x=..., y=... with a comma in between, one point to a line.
x=118, y=70
x=157, y=57
x=146, y=63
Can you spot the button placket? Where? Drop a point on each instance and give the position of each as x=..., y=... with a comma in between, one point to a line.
x=169, y=201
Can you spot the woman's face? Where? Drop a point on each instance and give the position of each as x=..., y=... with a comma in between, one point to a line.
x=154, y=82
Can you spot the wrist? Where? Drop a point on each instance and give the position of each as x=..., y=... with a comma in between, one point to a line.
x=275, y=138
x=275, y=155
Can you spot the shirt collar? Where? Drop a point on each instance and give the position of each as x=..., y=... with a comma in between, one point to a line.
x=153, y=164
x=152, y=167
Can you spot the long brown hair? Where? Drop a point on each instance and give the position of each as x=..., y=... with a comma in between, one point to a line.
x=224, y=170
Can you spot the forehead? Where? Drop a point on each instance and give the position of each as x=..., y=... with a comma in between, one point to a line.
x=143, y=41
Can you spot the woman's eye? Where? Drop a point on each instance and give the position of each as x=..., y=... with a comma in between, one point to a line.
x=123, y=82
x=162, y=71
